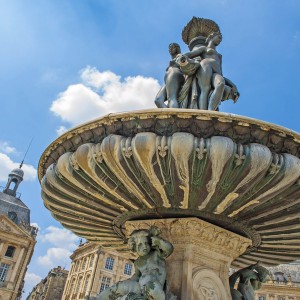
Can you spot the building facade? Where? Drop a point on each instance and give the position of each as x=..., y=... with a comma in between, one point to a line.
x=51, y=287
x=283, y=283
x=93, y=269
x=17, y=238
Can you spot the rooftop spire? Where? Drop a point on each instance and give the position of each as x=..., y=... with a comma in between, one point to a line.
x=22, y=162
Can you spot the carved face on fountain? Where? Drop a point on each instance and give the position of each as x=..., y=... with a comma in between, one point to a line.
x=139, y=242
x=143, y=247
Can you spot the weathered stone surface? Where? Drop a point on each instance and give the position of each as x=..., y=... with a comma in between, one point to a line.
x=198, y=267
x=183, y=164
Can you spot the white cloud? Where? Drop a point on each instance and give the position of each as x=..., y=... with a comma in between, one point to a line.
x=55, y=257
x=60, y=130
x=101, y=93
x=7, y=165
x=31, y=280
x=59, y=237
x=6, y=148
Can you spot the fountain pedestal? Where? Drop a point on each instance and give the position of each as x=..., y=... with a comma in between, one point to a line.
x=199, y=265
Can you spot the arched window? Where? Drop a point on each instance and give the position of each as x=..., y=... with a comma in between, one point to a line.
x=12, y=184
x=10, y=251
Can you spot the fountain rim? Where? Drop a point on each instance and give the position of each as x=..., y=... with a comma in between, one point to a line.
x=160, y=114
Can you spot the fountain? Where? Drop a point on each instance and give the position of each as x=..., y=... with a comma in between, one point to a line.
x=223, y=189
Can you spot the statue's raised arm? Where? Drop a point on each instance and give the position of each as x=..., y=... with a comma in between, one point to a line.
x=250, y=280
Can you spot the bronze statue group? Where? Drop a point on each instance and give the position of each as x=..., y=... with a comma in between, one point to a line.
x=195, y=79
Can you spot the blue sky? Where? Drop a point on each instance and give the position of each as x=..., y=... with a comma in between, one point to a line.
x=64, y=62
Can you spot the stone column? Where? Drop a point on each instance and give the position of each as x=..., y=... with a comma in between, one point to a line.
x=95, y=277
x=17, y=265
x=198, y=269
x=2, y=242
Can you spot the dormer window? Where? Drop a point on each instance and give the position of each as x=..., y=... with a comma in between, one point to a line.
x=13, y=216
x=10, y=251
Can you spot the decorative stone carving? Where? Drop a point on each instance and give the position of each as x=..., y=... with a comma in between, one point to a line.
x=207, y=286
x=202, y=252
x=4, y=226
x=196, y=232
x=233, y=185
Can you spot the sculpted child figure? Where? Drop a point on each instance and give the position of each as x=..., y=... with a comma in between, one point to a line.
x=149, y=279
x=250, y=279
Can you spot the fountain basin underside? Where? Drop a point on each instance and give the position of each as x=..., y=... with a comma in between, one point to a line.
x=237, y=173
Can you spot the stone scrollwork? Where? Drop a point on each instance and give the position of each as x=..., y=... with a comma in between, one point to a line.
x=199, y=232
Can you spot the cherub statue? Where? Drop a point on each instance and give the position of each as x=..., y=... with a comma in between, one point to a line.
x=250, y=279
x=149, y=280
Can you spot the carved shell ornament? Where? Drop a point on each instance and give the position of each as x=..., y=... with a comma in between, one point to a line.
x=199, y=27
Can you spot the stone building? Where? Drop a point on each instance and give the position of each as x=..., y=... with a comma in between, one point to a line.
x=17, y=238
x=283, y=283
x=93, y=269
x=51, y=287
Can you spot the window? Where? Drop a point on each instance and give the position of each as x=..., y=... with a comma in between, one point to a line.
x=86, y=284
x=78, y=285
x=3, y=272
x=128, y=269
x=83, y=264
x=10, y=251
x=13, y=216
x=77, y=266
x=12, y=185
x=109, y=264
x=92, y=261
x=261, y=298
x=104, y=283
x=72, y=286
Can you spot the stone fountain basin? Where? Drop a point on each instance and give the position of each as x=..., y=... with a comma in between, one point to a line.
x=235, y=172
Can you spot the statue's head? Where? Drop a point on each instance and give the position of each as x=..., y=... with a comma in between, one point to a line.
x=174, y=49
x=216, y=37
x=262, y=273
x=140, y=241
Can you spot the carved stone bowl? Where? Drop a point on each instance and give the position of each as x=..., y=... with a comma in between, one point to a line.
x=238, y=173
